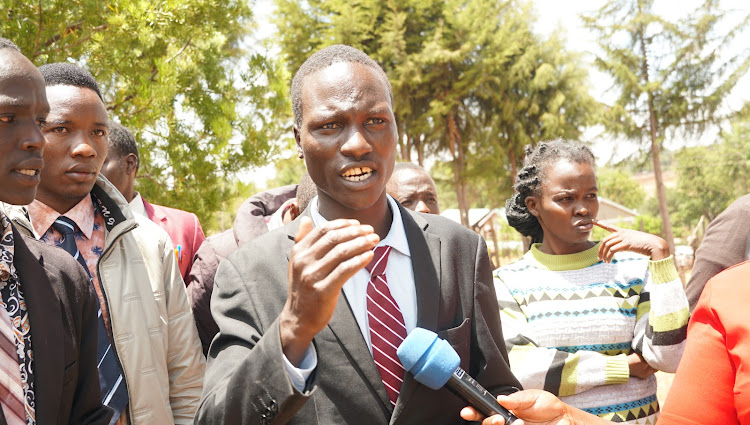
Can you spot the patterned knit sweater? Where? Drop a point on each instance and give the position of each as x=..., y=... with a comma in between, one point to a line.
x=569, y=322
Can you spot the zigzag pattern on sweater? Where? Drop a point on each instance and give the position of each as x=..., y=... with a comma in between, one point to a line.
x=609, y=349
x=524, y=296
x=625, y=310
x=629, y=412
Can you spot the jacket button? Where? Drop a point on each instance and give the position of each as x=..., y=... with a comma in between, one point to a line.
x=263, y=420
x=274, y=407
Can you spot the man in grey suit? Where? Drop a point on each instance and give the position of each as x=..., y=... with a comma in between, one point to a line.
x=291, y=347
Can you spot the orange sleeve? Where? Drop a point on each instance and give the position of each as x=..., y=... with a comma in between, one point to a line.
x=703, y=388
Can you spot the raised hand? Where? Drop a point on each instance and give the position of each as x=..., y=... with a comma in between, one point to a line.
x=321, y=261
x=631, y=240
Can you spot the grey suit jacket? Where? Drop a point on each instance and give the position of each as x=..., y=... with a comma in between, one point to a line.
x=246, y=381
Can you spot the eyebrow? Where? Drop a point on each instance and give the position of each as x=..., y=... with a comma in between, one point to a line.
x=61, y=122
x=13, y=102
x=378, y=111
x=58, y=122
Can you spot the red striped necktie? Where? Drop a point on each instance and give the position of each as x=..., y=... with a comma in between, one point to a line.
x=387, y=329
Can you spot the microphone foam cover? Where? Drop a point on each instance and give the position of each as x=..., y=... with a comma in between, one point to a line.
x=430, y=359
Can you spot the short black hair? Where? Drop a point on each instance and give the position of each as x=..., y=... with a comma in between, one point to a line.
x=529, y=181
x=67, y=74
x=306, y=191
x=7, y=44
x=324, y=58
x=121, y=141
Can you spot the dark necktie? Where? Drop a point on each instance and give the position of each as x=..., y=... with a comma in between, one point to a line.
x=387, y=330
x=114, y=390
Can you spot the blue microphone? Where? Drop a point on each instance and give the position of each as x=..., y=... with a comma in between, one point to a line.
x=435, y=364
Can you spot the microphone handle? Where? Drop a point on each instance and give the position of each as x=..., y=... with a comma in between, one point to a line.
x=469, y=389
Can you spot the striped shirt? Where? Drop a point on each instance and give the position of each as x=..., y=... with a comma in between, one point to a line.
x=569, y=321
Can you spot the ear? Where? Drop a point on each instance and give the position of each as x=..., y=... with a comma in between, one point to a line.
x=532, y=204
x=300, y=154
x=131, y=163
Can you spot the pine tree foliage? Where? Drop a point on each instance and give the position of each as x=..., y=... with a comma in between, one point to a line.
x=672, y=78
x=472, y=83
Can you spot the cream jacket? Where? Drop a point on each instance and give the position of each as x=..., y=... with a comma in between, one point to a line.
x=154, y=333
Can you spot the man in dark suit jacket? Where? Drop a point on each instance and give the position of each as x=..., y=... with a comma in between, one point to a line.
x=62, y=310
x=726, y=243
x=59, y=300
x=256, y=216
x=291, y=348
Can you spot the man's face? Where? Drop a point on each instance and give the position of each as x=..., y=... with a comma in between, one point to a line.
x=76, y=133
x=23, y=107
x=415, y=190
x=347, y=137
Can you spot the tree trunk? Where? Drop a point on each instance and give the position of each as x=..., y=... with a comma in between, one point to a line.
x=459, y=168
x=495, y=245
x=666, y=224
x=419, y=145
x=406, y=147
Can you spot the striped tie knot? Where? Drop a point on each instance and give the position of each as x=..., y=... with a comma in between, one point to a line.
x=379, y=261
x=64, y=225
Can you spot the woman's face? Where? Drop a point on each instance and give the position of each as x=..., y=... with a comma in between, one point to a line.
x=566, y=206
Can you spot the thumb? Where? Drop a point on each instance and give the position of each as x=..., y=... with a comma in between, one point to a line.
x=523, y=400
x=517, y=401
x=305, y=227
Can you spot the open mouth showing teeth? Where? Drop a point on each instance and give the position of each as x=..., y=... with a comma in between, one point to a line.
x=27, y=172
x=357, y=174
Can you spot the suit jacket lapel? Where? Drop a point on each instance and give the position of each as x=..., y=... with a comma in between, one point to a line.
x=153, y=213
x=344, y=326
x=425, y=263
x=46, y=331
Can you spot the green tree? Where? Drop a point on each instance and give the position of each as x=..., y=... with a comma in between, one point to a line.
x=543, y=95
x=616, y=185
x=453, y=75
x=176, y=73
x=711, y=177
x=288, y=171
x=673, y=77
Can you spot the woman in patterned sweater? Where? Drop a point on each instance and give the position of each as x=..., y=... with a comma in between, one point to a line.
x=590, y=322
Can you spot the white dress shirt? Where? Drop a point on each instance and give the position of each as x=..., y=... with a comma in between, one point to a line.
x=398, y=273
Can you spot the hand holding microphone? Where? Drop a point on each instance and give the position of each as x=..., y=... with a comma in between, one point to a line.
x=435, y=364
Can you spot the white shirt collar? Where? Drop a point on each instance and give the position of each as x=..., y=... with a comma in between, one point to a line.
x=136, y=205
x=396, y=237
